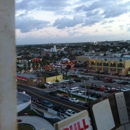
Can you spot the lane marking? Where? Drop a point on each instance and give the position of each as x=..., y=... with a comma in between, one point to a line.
x=51, y=99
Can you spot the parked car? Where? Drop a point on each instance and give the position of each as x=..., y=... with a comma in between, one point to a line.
x=81, y=93
x=109, y=80
x=86, y=104
x=59, y=109
x=98, y=95
x=47, y=103
x=93, y=86
x=82, y=86
x=53, y=93
x=75, y=100
x=125, y=89
x=97, y=87
x=102, y=88
x=92, y=94
x=77, y=80
x=70, y=112
x=65, y=97
x=124, y=82
x=107, y=90
x=36, y=100
x=112, y=90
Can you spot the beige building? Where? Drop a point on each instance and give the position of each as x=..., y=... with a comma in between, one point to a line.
x=105, y=64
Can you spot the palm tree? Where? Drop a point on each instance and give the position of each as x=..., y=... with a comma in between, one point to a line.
x=25, y=67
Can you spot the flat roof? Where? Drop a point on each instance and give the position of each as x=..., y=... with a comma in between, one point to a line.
x=105, y=57
x=26, y=75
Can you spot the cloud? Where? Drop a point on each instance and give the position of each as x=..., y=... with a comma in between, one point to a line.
x=27, y=24
x=96, y=30
x=107, y=27
x=92, y=13
x=110, y=8
x=104, y=22
x=114, y=12
x=48, y=5
x=111, y=21
x=67, y=22
x=89, y=21
x=128, y=30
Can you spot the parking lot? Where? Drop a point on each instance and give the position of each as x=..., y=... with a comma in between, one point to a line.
x=99, y=83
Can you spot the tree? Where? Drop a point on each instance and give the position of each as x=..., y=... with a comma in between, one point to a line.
x=25, y=66
x=29, y=65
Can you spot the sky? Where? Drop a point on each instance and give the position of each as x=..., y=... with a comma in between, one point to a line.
x=65, y=21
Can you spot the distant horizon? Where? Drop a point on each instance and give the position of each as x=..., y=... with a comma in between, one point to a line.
x=76, y=42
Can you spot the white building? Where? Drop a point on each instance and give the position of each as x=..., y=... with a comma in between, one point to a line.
x=23, y=101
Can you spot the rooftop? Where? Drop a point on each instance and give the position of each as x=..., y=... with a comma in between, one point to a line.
x=105, y=57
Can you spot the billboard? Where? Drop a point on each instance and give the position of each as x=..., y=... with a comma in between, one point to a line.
x=79, y=121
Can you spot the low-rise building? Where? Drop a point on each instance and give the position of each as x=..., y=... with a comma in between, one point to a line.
x=40, y=78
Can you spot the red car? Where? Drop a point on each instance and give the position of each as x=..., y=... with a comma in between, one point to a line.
x=102, y=88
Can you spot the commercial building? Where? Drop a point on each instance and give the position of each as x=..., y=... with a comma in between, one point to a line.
x=107, y=64
x=34, y=79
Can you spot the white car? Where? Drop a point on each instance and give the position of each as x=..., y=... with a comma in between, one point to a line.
x=70, y=112
x=125, y=89
x=81, y=93
x=75, y=100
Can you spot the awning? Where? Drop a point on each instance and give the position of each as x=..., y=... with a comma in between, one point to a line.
x=22, y=78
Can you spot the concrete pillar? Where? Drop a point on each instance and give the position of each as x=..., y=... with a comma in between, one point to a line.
x=8, y=108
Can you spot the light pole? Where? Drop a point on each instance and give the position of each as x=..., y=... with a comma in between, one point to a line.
x=85, y=89
x=120, y=81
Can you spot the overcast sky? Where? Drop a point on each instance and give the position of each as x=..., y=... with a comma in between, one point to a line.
x=56, y=21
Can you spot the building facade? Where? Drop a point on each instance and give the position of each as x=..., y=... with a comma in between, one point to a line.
x=105, y=64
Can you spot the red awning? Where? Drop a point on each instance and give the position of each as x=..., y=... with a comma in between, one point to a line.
x=22, y=78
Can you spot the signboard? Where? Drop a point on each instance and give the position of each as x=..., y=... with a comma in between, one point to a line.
x=79, y=121
x=111, y=112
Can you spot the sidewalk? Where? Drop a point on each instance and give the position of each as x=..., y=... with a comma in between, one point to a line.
x=38, y=122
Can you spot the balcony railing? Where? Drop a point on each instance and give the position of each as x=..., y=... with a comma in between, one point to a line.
x=99, y=64
x=105, y=64
x=92, y=63
x=120, y=66
x=112, y=65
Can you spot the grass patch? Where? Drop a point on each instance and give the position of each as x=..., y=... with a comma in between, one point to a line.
x=23, y=126
x=75, y=96
x=31, y=113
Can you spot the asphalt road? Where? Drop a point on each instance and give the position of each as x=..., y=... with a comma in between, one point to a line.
x=37, y=93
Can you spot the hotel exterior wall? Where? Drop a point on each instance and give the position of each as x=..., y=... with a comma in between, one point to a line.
x=115, y=68
x=108, y=67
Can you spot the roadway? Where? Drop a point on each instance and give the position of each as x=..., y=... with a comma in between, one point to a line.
x=37, y=93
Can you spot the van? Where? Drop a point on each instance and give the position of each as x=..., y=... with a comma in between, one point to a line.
x=74, y=89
